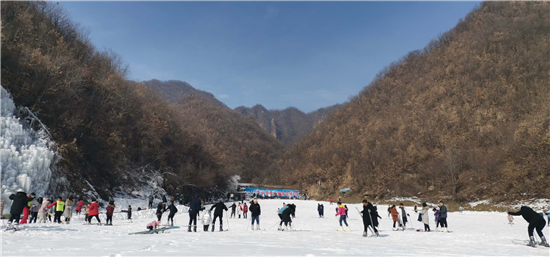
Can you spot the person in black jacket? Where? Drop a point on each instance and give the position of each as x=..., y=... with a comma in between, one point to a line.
x=368, y=214
x=287, y=213
x=173, y=210
x=375, y=216
x=20, y=200
x=256, y=211
x=220, y=207
x=194, y=208
x=321, y=210
x=161, y=208
x=233, y=208
x=535, y=221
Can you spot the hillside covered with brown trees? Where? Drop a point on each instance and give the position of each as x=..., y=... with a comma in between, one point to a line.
x=465, y=118
x=116, y=135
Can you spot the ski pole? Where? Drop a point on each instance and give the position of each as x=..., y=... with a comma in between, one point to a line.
x=227, y=218
x=273, y=225
x=371, y=230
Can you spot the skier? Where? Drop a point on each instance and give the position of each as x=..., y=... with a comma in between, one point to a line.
x=27, y=209
x=239, y=210
x=206, y=220
x=535, y=222
x=161, y=208
x=280, y=214
x=34, y=210
x=233, y=208
x=43, y=211
x=68, y=212
x=320, y=209
x=368, y=214
x=220, y=207
x=194, y=208
x=59, y=207
x=153, y=225
x=173, y=210
x=342, y=213
x=130, y=213
x=394, y=216
x=245, y=211
x=93, y=212
x=79, y=205
x=20, y=200
x=403, y=215
x=443, y=216
x=256, y=212
x=425, y=219
x=436, y=214
x=289, y=211
x=109, y=211
x=151, y=198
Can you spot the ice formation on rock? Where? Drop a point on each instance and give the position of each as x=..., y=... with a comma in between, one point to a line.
x=25, y=157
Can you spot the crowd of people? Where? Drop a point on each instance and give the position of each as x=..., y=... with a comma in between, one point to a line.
x=42, y=209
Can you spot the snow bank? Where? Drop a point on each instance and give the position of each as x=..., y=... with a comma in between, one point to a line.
x=25, y=157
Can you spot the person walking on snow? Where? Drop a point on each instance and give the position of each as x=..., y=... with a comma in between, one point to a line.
x=173, y=210
x=161, y=208
x=27, y=209
x=79, y=206
x=368, y=214
x=68, y=212
x=130, y=212
x=220, y=207
x=59, y=207
x=342, y=213
x=233, y=209
x=256, y=212
x=94, y=212
x=34, y=210
x=535, y=222
x=20, y=200
x=194, y=208
x=443, y=216
x=245, y=211
x=109, y=211
x=43, y=211
x=330, y=200
x=436, y=214
x=320, y=210
x=280, y=214
x=151, y=198
x=425, y=218
x=288, y=212
x=403, y=215
x=394, y=216
x=239, y=210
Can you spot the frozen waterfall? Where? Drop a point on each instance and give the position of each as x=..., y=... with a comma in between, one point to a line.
x=25, y=156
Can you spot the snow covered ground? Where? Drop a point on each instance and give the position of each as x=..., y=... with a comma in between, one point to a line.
x=472, y=233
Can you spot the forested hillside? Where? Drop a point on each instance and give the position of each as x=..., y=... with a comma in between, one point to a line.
x=287, y=125
x=114, y=135
x=466, y=117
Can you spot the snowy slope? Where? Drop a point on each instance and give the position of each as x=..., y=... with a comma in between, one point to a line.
x=479, y=233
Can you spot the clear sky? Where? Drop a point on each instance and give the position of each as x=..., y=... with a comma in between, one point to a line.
x=278, y=54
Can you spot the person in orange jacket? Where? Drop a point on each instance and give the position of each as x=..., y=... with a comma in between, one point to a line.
x=395, y=216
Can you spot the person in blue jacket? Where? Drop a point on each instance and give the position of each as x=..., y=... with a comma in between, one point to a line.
x=194, y=208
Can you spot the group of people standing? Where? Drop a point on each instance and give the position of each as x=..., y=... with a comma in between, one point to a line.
x=196, y=206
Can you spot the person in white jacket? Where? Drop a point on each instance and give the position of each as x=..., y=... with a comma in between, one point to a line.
x=239, y=210
x=43, y=211
x=425, y=217
x=206, y=220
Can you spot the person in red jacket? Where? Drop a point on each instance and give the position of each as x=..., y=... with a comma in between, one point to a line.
x=245, y=210
x=110, y=209
x=79, y=207
x=94, y=212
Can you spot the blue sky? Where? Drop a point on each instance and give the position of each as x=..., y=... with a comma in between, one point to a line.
x=279, y=54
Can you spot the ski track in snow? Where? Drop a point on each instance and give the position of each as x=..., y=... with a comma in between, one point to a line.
x=473, y=233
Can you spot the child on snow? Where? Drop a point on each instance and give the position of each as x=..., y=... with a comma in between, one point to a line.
x=436, y=214
x=206, y=220
x=153, y=225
